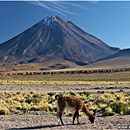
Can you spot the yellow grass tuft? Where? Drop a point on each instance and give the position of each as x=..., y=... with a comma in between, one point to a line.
x=4, y=111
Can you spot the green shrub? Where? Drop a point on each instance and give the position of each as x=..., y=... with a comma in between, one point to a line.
x=34, y=100
x=86, y=93
x=61, y=94
x=108, y=113
x=18, y=93
x=28, y=100
x=25, y=111
x=51, y=94
x=119, y=107
x=73, y=93
x=35, y=96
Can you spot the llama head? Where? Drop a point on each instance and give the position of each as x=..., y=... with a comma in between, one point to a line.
x=92, y=118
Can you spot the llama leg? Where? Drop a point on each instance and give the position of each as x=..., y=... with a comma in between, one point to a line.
x=59, y=116
x=78, y=118
x=61, y=119
x=75, y=115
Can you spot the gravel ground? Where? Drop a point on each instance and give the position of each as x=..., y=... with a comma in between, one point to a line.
x=60, y=88
x=45, y=120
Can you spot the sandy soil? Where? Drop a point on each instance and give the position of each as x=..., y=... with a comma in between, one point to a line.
x=45, y=120
x=60, y=88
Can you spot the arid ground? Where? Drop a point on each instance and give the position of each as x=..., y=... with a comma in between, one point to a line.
x=61, y=88
x=48, y=120
x=45, y=120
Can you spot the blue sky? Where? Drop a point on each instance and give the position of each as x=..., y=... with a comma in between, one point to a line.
x=108, y=20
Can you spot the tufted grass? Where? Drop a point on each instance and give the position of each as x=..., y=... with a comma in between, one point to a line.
x=107, y=103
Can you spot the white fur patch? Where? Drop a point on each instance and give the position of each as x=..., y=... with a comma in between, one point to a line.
x=57, y=106
x=69, y=107
x=58, y=120
x=56, y=103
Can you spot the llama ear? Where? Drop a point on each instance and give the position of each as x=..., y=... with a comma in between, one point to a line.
x=95, y=113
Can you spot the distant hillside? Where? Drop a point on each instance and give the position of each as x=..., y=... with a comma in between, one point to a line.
x=120, y=59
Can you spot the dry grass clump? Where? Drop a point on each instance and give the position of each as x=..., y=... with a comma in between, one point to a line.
x=112, y=102
x=33, y=82
x=33, y=92
x=107, y=103
x=4, y=111
x=24, y=101
x=65, y=80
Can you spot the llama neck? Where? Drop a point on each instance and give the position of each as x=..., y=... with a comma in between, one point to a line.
x=86, y=111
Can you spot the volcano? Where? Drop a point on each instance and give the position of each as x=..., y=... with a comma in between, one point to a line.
x=54, y=41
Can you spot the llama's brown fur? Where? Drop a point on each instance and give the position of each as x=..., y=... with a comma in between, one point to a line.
x=74, y=104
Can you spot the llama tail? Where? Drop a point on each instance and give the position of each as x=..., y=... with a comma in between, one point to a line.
x=57, y=96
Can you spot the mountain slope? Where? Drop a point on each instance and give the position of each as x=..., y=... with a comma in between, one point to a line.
x=54, y=41
x=120, y=59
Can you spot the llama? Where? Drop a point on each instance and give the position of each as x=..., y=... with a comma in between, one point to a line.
x=73, y=104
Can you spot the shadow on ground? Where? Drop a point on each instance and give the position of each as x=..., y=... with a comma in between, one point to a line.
x=39, y=127
x=35, y=127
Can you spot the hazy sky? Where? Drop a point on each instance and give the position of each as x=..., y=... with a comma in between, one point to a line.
x=108, y=21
